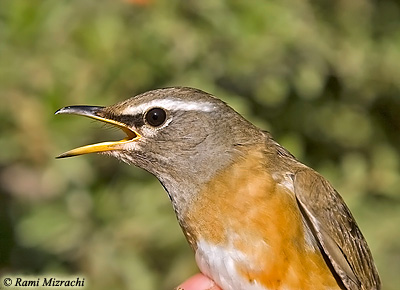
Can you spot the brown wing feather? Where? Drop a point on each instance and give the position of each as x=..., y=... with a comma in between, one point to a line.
x=336, y=231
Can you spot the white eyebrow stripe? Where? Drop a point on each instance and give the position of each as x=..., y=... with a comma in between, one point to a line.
x=171, y=105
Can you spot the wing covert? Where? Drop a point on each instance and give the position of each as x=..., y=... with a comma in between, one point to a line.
x=336, y=231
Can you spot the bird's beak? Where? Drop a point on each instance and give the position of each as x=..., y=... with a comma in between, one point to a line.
x=95, y=112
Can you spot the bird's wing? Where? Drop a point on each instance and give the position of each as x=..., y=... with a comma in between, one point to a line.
x=336, y=231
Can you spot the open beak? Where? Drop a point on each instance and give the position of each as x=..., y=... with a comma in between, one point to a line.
x=94, y=112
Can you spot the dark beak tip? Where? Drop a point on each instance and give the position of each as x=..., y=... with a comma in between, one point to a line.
x=65, y=110
x=61, y=156
x=59, y=111
x=65, y=155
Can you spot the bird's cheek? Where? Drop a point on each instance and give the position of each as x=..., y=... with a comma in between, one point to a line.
x=146, y=131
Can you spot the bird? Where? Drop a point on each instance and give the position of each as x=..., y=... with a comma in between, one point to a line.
x=255, y=217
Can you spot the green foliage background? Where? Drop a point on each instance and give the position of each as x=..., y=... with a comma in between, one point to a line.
x=322, y=76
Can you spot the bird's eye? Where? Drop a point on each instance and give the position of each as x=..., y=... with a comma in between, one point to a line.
x=155, y=117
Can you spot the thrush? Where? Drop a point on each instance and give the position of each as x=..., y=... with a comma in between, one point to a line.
x=255, y=216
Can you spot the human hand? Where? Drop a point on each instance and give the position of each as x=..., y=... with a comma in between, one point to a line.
x=198, y=282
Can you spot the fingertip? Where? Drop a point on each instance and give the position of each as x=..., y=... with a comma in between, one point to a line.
x=198, y=282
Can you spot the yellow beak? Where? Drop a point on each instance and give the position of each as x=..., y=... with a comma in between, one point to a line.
x=93, y=112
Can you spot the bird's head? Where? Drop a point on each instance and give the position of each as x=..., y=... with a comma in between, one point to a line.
x=181, y=135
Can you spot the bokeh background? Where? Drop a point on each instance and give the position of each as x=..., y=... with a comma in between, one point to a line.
x=322, y=76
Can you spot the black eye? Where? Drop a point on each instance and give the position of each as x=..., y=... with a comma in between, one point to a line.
x=156, y=117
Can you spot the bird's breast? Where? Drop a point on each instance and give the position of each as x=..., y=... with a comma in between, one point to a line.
x=248, y=233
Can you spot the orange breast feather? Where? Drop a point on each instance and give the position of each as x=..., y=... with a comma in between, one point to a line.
x=245, y=209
